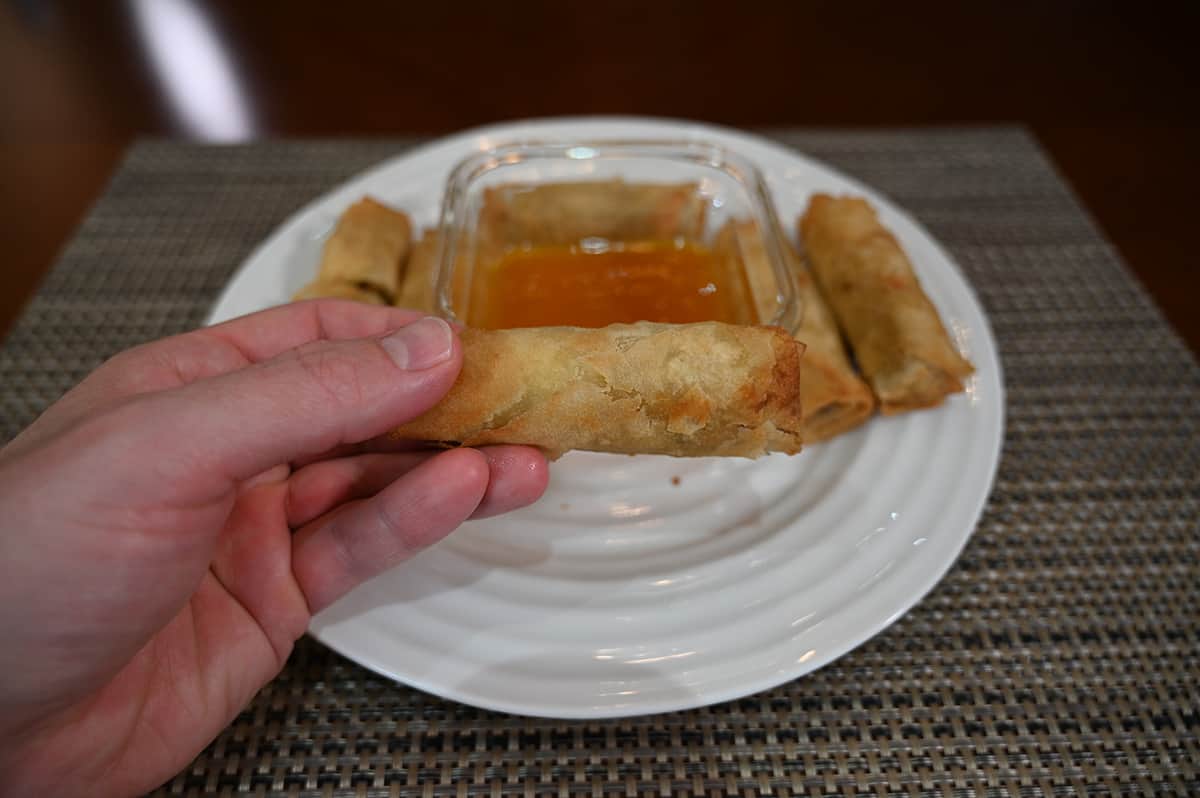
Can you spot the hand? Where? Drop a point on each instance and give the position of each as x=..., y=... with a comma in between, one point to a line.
x=168, y=528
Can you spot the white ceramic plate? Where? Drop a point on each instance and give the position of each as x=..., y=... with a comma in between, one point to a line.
x=622, y=592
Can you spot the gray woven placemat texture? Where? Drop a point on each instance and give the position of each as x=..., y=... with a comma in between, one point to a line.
x=1059, y=656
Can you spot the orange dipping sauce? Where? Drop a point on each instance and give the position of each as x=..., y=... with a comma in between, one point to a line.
x=608, y=284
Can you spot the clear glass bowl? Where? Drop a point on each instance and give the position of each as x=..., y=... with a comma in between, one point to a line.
x=721, y=187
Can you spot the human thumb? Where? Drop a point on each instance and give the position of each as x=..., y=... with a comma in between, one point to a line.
x=301, y=403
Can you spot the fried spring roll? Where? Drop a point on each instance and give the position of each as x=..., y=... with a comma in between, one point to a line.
x=565, y=213
x=341, y=290
x=751, y=280
x=687, y=390
x=417, y=291
x=834, y=397
x=367, y=248
x=895, y=331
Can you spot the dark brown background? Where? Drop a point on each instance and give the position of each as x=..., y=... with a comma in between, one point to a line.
x=1110, y=89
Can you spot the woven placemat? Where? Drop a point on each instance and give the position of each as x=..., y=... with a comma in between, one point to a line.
x=1060, y=655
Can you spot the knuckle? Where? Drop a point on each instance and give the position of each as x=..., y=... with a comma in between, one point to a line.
x=396, y=528
x=373, y=541
x=125, y=369
x=338, y=377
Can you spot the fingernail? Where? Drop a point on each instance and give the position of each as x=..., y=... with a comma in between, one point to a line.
x=420, y=345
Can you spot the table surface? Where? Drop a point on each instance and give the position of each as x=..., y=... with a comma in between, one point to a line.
x=1057, y=656
x=1108, y=88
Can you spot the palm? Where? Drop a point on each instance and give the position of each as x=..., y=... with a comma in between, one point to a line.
x=185, y=684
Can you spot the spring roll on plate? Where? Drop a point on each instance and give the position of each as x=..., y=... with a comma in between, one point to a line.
x=367, y=250
x=834, y=397
x=688, y=390
x=340, y=290
x=417, y=291
x=897, y=336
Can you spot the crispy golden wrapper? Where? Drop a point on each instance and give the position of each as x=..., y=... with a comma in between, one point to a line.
x=340, y=290
x=834, y=397
x=417, y=291
x=368, y=246
x=687, y=390
x=897, y=336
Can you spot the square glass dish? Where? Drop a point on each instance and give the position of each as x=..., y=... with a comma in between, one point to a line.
x=593, y=233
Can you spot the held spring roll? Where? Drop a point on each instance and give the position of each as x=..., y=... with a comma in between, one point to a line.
x=687, y=390
x=834, y=397
x=367, y=249
x=895, y=331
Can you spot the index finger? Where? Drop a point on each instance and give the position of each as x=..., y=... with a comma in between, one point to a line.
x=212, y=351
x=235, y=344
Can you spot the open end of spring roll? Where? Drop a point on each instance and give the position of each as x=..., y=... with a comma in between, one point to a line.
x=368, y=247
x=840, y=401
x=835, y=399
x=565, y=213
x=688, y=390
x=895, y=331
